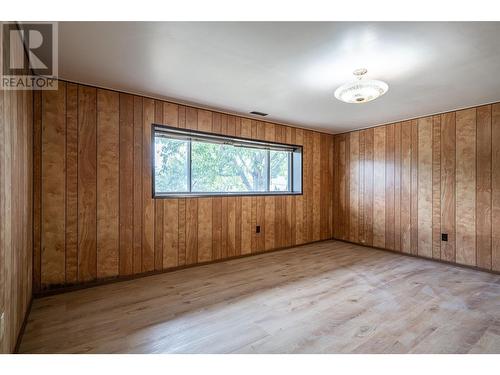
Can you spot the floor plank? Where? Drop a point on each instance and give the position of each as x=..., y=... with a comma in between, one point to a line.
x=328, y=297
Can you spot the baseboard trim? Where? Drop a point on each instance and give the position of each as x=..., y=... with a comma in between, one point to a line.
x=60, y=289
x=475, y=268
x=56, y=289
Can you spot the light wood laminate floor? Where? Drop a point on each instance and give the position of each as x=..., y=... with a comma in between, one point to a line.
x=328, y=297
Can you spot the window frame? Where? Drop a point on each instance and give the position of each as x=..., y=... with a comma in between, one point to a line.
x=203, y=135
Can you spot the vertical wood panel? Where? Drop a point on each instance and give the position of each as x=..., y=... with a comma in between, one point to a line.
x=170, y=234
x=205, y=230
x=191, y=231
x=231, y=226
x=4, y=344
x=425, y=186
x=316, y=189
x=347, y=218
x=126, y=183
x=495, y=187
x=148, y=218
x=37, y=188
x=87, y=181
x=225, y=228
x=204, y=120
x=170, y=114
x=28, y=214
x=368, y=187
x=406, y=187
x=246, y=225
x=483, y=187
x=8, y=180
x=361, y=198
x=466, y=187
x=389, y=188
x=325, y=188
x=71, y=183
x=342, y=209
x=397, y=187
x=354, y=186
x=379, y=145
x=182, y=232
x=436, y=187
x=6, y=216
x=53, y=186
x=138, y=197
x=16, y=241
x=414, y=187
x=336, y=186
x=448, y=164
x=330, y=181
x=108, y=182
x=217, y=228
x=9, y=198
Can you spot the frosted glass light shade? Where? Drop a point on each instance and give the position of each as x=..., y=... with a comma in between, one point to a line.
x=361, y=91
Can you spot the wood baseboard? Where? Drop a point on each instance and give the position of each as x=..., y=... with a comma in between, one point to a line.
x=421, y=257
x=56, y=289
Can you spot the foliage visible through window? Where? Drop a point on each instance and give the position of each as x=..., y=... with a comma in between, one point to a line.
x=192, y=163
x=280, y=162
x=172, y=168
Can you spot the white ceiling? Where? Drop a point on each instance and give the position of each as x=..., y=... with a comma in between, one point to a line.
x=291, y=69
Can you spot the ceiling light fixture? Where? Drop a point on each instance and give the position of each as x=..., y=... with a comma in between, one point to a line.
x=361, y=91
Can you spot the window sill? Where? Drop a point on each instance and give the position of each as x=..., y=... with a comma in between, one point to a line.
x=220, y=195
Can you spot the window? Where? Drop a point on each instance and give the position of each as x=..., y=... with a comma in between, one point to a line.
x=192, y=163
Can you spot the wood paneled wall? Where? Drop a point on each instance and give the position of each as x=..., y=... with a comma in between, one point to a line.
x=94, y=213
x=16, y=206
x=401, y=185
x=16, y=120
